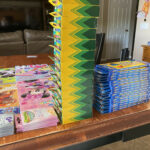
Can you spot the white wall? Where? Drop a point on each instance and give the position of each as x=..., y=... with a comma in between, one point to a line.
x=142, y=36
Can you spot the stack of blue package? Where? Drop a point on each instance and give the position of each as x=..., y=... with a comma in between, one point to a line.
x=121, y=85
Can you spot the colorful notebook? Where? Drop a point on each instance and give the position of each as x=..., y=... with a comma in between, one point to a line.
x=9, y=99
x=7, y=76
x=38, y=118
x=32, y=72
x=35, y=93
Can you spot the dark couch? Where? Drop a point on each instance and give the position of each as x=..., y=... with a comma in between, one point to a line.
x=37, y=41
x=12, y=44
x=25, y=42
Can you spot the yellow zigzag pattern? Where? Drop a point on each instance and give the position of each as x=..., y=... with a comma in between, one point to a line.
x=69, y=28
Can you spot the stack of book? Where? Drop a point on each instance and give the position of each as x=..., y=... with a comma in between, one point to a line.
x=121, y=85
x=26, y=92
x=36, y=97
x=6, y=124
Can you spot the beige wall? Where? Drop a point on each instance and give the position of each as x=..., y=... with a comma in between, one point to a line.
x=142, y=35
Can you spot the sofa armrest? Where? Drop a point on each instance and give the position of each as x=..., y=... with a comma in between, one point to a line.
x=11, y=37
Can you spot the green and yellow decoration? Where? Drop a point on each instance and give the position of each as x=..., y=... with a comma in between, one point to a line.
x=74, y=47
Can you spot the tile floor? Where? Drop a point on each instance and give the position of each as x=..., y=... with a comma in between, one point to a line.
x=142, y=143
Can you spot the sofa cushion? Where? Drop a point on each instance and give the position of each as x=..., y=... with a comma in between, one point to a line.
x=34, y=47
x=11, y=37
x=12, y=48
x=37, y=35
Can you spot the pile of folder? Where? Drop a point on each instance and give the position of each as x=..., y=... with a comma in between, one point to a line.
x=35, y=87
x=26, y=92
x=7, y=76
x=121, y=85
x=74, y=25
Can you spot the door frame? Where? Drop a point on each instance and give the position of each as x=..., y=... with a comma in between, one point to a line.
x=135, y=26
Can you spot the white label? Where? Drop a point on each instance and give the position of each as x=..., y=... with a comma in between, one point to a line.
x=31, y=56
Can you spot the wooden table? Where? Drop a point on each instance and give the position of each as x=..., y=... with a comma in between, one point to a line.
x=146, y=53
x=65, y=135
x=11, y=61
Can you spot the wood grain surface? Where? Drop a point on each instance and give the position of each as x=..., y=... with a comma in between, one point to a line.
x=146, y=53
x=11, y=61
x=74, y=133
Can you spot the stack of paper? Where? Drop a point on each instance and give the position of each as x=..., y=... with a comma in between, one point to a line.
x=6, y=124
x=120, y=85
x=74, y=47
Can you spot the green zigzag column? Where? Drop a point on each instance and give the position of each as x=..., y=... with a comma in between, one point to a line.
x=80, y=58
x=86, y=33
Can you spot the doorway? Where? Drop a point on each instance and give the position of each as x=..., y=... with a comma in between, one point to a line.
x=118, y=19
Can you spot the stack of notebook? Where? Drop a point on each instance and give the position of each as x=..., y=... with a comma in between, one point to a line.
x=35, y=96
x=121, y=85
x=8, y=91
x=6, y=124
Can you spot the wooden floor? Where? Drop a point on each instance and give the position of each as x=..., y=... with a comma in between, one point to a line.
x=75, y=133
x=142, y=143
